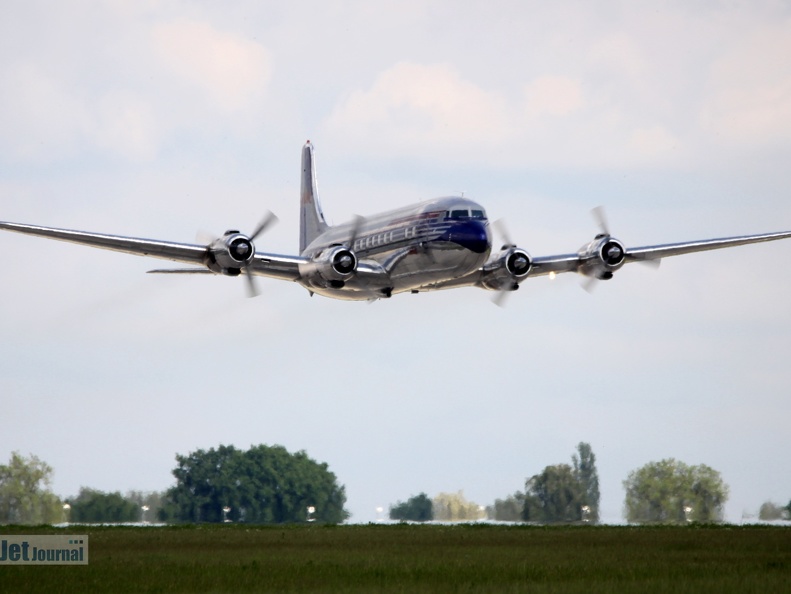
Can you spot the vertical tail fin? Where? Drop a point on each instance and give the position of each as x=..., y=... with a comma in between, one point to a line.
x=311, y=218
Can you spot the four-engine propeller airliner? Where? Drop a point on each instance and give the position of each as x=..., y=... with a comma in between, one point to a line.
x=437, y=244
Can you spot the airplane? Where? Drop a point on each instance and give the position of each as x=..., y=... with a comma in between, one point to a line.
x=437, y=244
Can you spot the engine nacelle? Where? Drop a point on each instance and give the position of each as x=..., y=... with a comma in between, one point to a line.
x=333, y=266
x=230, y=253
x=506, y=270
x=602, y=257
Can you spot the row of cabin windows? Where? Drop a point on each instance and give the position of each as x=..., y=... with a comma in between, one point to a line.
x=383, y=238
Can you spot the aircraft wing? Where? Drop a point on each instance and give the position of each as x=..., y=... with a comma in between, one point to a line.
x=284, y=267
x=654, y=253
x=277, y=266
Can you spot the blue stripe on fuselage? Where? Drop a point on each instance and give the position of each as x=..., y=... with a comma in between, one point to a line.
x=471, y=234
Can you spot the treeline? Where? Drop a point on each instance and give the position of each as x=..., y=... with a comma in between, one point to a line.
x=561, y=493
x=92, y=506
x=262, y=485
x=268, y=484
x=664, y=492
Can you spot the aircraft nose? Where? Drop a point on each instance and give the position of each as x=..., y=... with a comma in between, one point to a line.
x=471, y=235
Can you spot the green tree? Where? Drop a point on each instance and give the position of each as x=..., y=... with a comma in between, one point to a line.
x=563, y=493
x=554, y=496
x=25, y=495
x=417, y=508
x=771, y=511
x=672, y=492
x=510, y=509
x=454, y=507
x=585, y=471
x=96, y=507
x=265, y=484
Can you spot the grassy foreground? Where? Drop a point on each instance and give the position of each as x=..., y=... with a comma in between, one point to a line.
x=414, y=559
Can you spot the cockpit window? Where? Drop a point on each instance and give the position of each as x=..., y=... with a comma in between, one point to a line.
x=459, y=213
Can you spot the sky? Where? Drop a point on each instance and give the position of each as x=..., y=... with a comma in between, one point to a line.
x=166, y=119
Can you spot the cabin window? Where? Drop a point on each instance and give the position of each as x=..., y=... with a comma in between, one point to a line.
x=459, y=214
x=477, y=214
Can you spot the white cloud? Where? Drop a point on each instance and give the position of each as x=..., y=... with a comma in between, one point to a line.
x=232, y=71
x=45, y=118
x=682, y=87
x=553, y=96
x=750, y=85
x=653, y=141
x=125, y=124
x=432, y=111
x=420, y=109
x=127, y=89
x=620, y=54
x=39, y=116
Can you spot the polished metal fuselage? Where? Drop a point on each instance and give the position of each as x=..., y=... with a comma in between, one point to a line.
x=416, y=248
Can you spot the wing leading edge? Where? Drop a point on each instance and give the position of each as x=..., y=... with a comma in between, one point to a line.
x=273, y=265
x=574, y=262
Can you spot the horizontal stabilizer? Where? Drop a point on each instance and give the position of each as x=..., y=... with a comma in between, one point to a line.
x=181, y=271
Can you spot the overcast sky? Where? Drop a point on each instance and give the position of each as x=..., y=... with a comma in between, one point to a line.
x=162, y=119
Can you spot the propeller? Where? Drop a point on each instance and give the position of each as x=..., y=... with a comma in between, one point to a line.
x=598, y=213
x=205, y=237
x=601, y=220
x=500, y=298
x=357, y=222
x=502, y=231
x=651, y=263
x=590, y=283
x=269, y=219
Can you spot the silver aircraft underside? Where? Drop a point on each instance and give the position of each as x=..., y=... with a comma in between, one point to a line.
x=438, y=244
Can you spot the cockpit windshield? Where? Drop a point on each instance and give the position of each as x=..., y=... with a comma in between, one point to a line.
x=463, y=213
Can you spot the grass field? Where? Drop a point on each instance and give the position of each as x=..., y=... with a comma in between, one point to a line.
x=410, y=558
